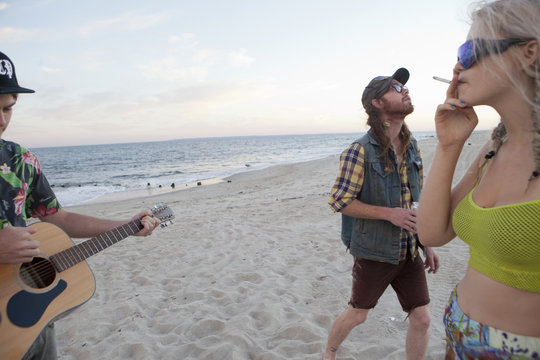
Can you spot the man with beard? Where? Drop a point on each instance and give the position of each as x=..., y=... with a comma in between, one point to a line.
x=380, y=177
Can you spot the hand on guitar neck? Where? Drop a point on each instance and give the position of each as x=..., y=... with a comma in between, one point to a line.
x=54, y=277
x=18, y=246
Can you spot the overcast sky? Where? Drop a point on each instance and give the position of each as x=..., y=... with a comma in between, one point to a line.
x=129, y=71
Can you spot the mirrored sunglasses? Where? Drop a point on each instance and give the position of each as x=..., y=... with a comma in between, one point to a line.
x=399, y=88
x=472, y=50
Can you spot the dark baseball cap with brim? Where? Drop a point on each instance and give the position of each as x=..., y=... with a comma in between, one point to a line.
x=380, y=84
x=8, y=79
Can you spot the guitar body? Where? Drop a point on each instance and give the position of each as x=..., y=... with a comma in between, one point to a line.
x=28, y=304
x=35, y=293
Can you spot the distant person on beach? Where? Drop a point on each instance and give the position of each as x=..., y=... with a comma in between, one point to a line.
x=25, y=193
x=379, y=179
x=494, y=312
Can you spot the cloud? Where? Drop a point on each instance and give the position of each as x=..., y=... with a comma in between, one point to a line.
x=239, y=58
x=10, y=34
x=107, y=115
x=207, y=56
x=126, y=22
x=186, y=38
x=91, y=60
x=168, y=69
x=3, y=6
x=49, y=70
x=213, y=93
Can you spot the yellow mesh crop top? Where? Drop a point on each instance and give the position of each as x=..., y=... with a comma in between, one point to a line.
x=504, y=241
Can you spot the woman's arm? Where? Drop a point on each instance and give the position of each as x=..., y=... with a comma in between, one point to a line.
x=438, y=202
x=454, y=122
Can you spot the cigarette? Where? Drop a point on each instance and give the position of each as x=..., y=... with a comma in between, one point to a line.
x=441, y=79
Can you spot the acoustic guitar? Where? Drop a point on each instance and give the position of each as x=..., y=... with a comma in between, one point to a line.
x=35, y=293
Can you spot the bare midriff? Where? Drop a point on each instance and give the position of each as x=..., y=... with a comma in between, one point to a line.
x=498, y=305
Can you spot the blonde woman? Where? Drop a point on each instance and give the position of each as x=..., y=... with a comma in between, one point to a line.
x=494, y=312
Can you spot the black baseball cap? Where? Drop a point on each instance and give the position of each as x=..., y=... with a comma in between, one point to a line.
x=8, y=80
x=380, y=84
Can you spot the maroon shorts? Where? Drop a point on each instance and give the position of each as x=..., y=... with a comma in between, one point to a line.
x=371, y=278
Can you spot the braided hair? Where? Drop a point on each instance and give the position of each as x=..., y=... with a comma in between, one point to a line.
x=516, y=19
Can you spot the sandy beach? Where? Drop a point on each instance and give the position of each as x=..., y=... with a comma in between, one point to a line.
x=253, y=268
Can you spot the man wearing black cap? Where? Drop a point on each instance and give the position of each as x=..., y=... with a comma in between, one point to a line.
x=380, y=177
x=25, y=193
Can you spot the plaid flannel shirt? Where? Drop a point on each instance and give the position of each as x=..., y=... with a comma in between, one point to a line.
x=349, y=183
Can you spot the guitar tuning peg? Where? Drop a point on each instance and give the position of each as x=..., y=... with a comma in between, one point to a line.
x=165, y=223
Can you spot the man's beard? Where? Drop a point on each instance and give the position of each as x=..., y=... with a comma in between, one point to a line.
x=400, y=109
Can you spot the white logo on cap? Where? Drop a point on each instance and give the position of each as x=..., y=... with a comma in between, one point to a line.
x=6, y=68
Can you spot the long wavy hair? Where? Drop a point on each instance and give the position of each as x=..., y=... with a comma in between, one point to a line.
x=380, y=132
x=515, y=19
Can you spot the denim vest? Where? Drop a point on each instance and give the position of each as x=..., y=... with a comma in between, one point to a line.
x=380, y=240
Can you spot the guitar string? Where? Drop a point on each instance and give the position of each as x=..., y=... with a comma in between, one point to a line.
x=45, y=268
x=40, y=278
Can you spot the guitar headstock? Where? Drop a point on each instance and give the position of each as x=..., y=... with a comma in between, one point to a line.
x=164, y=213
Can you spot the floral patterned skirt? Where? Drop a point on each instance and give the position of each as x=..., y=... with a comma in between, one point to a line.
x=467, y=339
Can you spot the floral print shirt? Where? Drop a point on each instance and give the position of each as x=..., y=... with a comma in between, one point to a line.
x=24, y=189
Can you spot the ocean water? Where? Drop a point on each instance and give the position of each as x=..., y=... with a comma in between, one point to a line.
x=81, y=174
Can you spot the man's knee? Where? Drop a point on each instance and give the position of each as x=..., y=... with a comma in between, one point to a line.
x=357, y=316
x=420, y=318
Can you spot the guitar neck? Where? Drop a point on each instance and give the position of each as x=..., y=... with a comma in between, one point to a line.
x=75, y=254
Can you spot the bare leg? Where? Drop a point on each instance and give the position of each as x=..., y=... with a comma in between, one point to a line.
x=341, y=328
x=418, y=333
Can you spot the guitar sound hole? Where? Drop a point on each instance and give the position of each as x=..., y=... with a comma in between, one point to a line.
x=38, y=274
